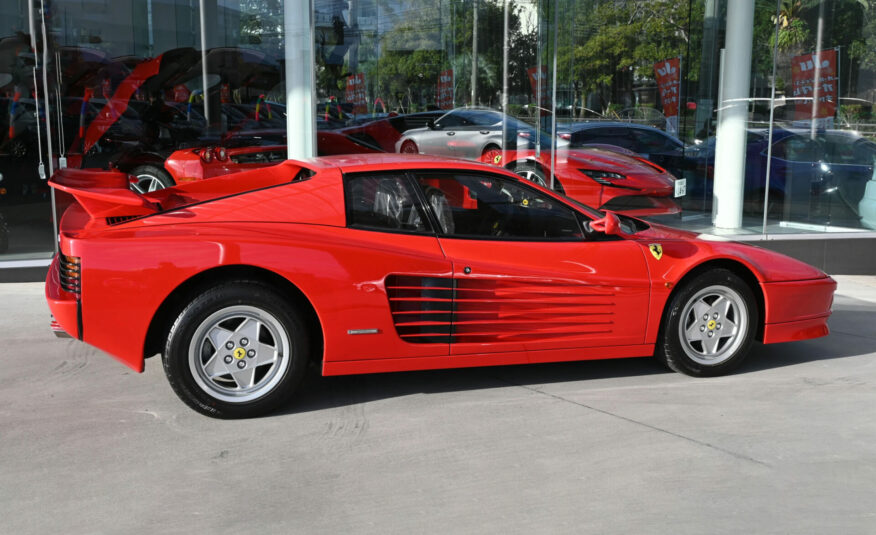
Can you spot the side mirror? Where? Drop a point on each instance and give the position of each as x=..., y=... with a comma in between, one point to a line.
x=431, y=124
x=609, y=225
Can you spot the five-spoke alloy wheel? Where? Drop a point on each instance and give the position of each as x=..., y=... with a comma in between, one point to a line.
x=708, y=325
x=237, y=350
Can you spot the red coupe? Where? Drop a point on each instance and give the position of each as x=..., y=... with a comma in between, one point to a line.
x=603, y=176
x=378, y=263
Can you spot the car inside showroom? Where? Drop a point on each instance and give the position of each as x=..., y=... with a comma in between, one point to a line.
x=437, y=266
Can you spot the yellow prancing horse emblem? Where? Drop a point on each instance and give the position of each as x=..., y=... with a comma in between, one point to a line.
x=656, y=250
x=239, y=353
x=497, y=159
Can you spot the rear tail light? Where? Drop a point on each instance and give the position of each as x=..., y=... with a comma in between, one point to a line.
x=565, y=136
x=221, y=154
x=70, y=273
x=207, y=154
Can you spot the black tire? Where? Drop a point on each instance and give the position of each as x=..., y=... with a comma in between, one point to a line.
x=150, y=178
x=4, y=235
x=532, y=173
x=190, y=353
x=689, y=315
x=409, y=147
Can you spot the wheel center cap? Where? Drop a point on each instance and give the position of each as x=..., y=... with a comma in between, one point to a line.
x=239, y=353
x=711, y=325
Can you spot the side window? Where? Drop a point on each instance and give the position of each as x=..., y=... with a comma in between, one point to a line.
x=451, y=120
x=491, y=207
x=798, y=148
x=614, y=136
x=383, y=202
x=647, y=141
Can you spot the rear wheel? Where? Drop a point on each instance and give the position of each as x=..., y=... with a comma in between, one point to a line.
x=409, y=147
x=709, y=325
x=150, y=178
x=236, y=351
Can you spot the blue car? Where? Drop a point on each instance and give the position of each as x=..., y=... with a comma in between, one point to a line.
x=820, y=179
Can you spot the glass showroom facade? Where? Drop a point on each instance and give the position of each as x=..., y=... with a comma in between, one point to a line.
x=741, y=117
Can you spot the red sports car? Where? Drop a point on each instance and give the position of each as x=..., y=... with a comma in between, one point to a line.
x=602, y=176
x=377, y=263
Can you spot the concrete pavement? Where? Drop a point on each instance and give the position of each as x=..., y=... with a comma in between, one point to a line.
x=785, y=445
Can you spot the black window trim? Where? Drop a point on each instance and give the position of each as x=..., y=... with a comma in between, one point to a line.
x=412, y=176
x=418, y=204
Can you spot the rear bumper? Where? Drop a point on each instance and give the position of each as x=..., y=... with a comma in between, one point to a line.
x=797, y=310
x=65, y=306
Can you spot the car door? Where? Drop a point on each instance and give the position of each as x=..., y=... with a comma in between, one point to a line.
x=440, y=139
x=401, y=306
x=526, y=277
x=478, y=130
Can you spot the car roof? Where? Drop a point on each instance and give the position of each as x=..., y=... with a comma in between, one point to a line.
x=591, y=125
x=352, y=163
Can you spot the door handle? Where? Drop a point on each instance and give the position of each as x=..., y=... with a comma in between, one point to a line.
x=485, y=132
x=451, y=133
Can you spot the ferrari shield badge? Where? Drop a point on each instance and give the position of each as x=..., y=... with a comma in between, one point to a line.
x=497, y=159
x=656, y=250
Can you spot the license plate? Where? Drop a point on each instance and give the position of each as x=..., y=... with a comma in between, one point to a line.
x=680, y=187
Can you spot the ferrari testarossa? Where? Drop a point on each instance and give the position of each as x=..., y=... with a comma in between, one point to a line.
x=378, y=263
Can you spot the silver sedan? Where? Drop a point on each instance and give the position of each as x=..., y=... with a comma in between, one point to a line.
x=471, y=133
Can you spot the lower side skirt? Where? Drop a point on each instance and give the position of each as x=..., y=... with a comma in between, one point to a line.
x=351, y=367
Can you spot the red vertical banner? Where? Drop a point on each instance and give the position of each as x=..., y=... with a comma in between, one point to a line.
x=803, y=69
x=444, y=93
x=668, y=75
x=355, y=93
x=539, y=78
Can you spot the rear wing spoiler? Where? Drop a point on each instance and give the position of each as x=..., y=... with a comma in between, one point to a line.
x=106, y=194
x=102, y=193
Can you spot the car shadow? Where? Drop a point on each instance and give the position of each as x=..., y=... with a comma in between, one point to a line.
x=850, y=337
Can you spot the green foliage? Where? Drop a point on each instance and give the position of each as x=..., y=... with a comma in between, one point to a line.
x=616, y=43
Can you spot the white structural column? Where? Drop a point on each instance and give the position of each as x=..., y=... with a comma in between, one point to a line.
x=730, y=142
x=300, y=99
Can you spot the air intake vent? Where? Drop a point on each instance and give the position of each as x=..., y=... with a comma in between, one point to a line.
x=472, y=310
x=422, y=307
x=119, y=219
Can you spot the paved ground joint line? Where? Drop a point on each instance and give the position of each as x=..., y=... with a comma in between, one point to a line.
x=637, y=422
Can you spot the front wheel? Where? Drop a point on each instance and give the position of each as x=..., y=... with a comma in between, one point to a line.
x=532, y=173
x=409, y=147
x=236, y=351
x=709, y=325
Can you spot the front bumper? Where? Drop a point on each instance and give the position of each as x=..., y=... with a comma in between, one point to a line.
x=642, y=205
x=797, y=310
